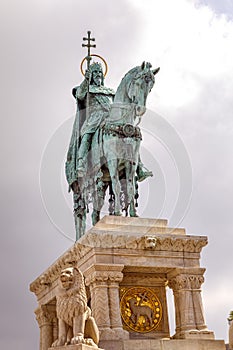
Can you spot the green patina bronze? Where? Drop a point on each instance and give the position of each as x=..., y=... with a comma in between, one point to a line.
x=104, y=147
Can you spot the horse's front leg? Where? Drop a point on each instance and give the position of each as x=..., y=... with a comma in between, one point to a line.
x=79, y=211
x=116, y=186
x=130, y=169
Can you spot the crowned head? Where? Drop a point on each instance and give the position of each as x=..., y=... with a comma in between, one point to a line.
x=97, y=76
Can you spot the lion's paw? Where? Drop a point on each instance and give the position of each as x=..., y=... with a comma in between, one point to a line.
x=78, y=339
x=59, y=342
x=90, y=342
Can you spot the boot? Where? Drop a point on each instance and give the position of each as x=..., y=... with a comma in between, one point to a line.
x=142, y=172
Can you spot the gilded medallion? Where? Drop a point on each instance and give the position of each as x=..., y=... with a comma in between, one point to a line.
x=141, y=309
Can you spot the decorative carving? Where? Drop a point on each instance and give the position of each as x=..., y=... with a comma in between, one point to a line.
x=103, y=281
x=187, y=297
x=159, y=242
x=101, y=239
x=141, y=309
x=70, y=258
x=43, y=315
x=150, y=242
x=178, y=245
x=104, y=276
x=75, y=324
x=101, y=304
x=44, y=280
x=196, y=281
x=179, y=282
x=186, y=282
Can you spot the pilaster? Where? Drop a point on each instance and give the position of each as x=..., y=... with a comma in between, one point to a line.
x=45, y=316
x=103, y=281
x=189, y=315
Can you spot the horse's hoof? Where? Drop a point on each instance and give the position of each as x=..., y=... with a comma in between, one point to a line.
x=118, y=213
x=134, y=215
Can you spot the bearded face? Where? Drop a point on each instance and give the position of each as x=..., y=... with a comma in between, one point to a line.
x=97, y=76
x=67, y=278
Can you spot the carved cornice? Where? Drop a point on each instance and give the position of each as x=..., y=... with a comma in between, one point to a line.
x=191, y=244
x=116, y=240
x=69, y=258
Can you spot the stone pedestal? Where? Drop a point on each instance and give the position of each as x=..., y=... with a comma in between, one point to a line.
x=128, y=263
x=76, y=347
x=164, y=344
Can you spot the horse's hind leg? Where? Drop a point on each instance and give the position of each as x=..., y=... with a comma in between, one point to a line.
x=116, y=186
x=98, y=202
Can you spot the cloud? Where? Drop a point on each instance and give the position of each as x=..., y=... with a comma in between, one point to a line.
x=191, y=43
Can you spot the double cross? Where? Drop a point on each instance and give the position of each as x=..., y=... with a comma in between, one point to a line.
x=88, y=45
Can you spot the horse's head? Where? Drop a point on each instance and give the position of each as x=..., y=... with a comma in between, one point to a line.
x=130, y=99
x=140, y=82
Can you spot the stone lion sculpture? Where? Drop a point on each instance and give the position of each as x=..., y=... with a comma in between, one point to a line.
x=75, y=323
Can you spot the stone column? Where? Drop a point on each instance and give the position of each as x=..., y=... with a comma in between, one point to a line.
x=185, y=319
x=45, y=317
x=98, y=282
x=190, y=321
x=196, y=282
x=115, y=278
x=105, y=304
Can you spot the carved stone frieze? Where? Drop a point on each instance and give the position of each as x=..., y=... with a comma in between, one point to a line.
x=154, y=242
x=69, y=258
x=106, y=240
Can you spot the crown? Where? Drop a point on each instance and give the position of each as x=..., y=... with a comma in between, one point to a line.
x=96, y=65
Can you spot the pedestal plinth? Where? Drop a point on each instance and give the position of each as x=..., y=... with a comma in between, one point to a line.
x=128, y=263
x=76, y=347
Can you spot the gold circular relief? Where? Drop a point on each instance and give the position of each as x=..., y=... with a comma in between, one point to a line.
x=141, y=309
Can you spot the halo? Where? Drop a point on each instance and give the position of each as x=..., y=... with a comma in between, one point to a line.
x=105, y=64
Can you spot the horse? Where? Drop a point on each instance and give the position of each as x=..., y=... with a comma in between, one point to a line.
x=120, y=142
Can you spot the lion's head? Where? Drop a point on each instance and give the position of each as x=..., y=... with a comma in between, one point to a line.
x=72, y=279
x=67, y=277
x=150, y=242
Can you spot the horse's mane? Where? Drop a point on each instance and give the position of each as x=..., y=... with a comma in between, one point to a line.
x=130, y=76
x=132, y=72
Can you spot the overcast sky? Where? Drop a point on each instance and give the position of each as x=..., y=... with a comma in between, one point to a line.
x=188, y=134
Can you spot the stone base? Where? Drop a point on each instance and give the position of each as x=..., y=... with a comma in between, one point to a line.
x=204, y=334
x=164, y=344
x=75, y=347
x=122, y=257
